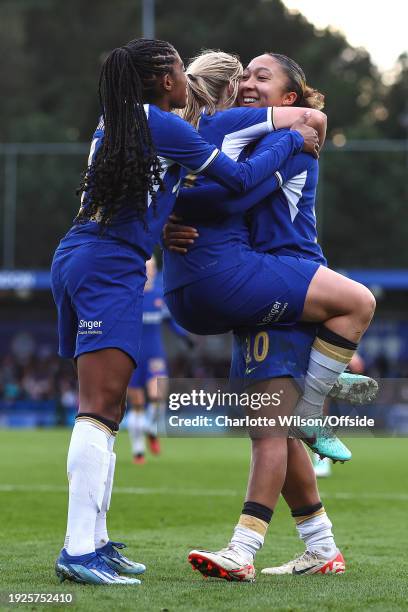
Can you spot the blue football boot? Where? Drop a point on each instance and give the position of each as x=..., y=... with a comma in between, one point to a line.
x=117, y=561
x=88, y=569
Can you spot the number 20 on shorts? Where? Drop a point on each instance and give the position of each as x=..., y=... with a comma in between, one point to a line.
x=259, y=349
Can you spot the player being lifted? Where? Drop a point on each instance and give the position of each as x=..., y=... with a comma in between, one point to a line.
x=98, y=270
x=147, y=391
x=283, y=354
x=245, y=281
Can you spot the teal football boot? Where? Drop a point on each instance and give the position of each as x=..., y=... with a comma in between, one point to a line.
x=354, y=389
x=322, y=441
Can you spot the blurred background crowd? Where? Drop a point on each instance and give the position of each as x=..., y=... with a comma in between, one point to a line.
x=49, y=109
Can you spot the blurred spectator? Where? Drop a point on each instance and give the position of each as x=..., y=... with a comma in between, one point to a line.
x=36, y=372
x=42, y=376
x=68, y=393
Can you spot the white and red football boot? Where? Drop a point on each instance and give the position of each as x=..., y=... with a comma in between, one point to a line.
x=226, y=563
x=309, y=563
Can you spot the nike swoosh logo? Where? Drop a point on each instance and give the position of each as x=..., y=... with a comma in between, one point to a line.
x=303, y=571
x=229, y=559
x=250, y=370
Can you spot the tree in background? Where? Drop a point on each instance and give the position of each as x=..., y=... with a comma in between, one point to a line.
x=51, y=82
x=395, y=113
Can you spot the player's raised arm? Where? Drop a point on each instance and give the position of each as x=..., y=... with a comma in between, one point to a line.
x=205, y=203
x=210, y=201
x=285, y=116
x=241, y=176
x=182, y=144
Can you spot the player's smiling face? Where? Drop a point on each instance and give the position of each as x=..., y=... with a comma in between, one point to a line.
x=263, y=84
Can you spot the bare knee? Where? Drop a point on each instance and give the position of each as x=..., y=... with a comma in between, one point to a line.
x=364, y=306
x=269, y=446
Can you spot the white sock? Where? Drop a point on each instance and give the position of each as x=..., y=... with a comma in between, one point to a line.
x=87, y=467
x=249, y=536
x=322, y=373
x=316, y=533
x=101, y=536
x=137, y=428
x=247, y=542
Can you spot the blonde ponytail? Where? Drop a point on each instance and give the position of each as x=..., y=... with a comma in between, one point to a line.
x=208, y=77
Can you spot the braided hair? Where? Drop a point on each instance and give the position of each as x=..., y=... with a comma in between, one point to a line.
x=126, y=168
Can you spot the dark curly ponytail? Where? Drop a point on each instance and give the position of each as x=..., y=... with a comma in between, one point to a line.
x=126, y=168
x=306, y=96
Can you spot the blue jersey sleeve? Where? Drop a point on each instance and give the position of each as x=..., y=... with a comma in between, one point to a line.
x=181, y=143
x=240, y=127
x=209, y=201
x=236, y=120
x=200, y=204
x=178, y=141
x=241, y=176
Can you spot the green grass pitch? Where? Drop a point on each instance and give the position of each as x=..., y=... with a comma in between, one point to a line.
x=191, y=497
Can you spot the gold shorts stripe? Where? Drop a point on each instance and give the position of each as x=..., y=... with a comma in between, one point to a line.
x=253, y=523
x=334, y=352
x=302, y=519
x=97, y=424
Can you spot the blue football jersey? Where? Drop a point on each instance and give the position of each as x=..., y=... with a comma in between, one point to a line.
x=222, y=243
x=178, y=145
x=284, y=222
x=233, y=129
x=280, y=219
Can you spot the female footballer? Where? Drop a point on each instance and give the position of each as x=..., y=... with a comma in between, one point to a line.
x=224, y=263
x=271, y=79
x=98, y=270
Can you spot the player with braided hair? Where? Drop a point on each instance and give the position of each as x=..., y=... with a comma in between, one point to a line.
x=127, y=161
x=98, y=271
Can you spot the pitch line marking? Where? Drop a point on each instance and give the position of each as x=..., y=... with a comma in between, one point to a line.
x=12, y=488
